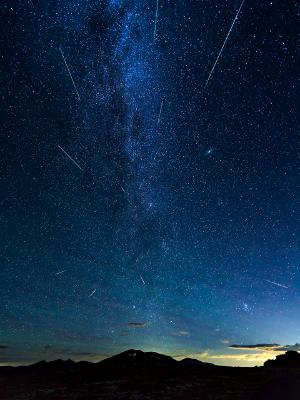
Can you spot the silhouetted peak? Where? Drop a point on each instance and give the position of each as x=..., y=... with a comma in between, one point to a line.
x=133, y=356
x=53, y=365
x=131, y=353
x=290, y=359
x=195, y=362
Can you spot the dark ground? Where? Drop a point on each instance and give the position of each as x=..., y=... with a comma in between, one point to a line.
x=137, y=375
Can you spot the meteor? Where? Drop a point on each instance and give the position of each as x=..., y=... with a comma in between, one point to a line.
x=277, y=284
x=93, y=292
x=155, y=22
x=220, y=52
x=68, y=69
x=159, y=115
x=73, y=161
x=60, y=272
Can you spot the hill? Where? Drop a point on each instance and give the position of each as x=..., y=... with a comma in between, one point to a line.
x=290, y=359
x=135, y=374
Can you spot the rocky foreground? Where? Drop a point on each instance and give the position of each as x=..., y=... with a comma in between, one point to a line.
x=139, y=376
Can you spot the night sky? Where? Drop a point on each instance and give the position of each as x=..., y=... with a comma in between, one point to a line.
x=149, y=179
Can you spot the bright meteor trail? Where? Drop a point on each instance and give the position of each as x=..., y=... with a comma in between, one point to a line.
x=62, y=54
x=277, y=284
x=68, y=155
x=220, y=52
x=155, y=23
x=160, y=110
x=60, y=273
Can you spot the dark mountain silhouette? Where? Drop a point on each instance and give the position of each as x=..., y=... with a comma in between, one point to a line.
x=55, y=365
x=148, y=375
x=138, y=357
x=290, y=359
x=194, y=362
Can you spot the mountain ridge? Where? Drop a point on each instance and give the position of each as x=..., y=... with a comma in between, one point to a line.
x=134, y=357
x=144, y=375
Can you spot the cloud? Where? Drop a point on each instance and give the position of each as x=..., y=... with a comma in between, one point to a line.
x=180, y=333
x=3, y=347
x=225, y=341
x=138, y=324
x=266, y=347
x=260, y=346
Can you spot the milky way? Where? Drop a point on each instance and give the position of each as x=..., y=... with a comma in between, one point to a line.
x=138, y=209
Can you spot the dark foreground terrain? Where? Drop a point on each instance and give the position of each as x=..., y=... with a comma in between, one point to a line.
x=139, y=376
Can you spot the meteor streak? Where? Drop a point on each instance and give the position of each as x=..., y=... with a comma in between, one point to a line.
x=159, y=115
x=220, y=52
x=60, y=272
x=62, y=54
x=155, y=22
x=277, y=284
x=93, y=292
x=73, y=161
